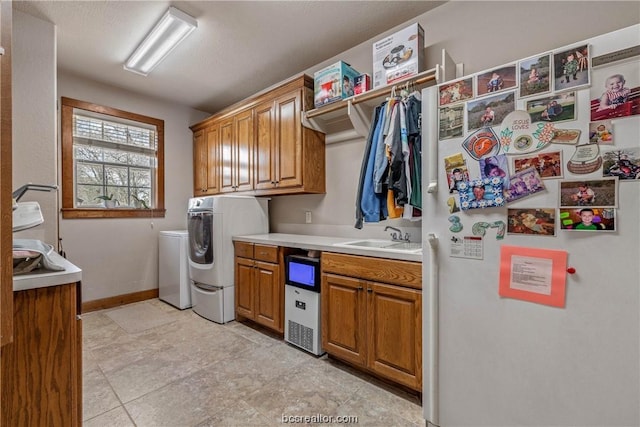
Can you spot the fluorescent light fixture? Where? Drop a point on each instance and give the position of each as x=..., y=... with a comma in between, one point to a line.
x=174, y=27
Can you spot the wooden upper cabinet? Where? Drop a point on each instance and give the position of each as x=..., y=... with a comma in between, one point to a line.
x=213, y=144
x=243, y=126
x=225, y=166
x=264, y=149
x=264, y=166
x=200, y=165
x=205, y=161
x=236, y=153
x=288, y=143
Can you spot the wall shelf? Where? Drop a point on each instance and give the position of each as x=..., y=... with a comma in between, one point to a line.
x=350, y=118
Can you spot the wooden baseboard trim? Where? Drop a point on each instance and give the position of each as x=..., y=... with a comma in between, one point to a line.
x=101, y=304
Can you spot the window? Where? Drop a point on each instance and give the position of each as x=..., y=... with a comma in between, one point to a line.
x=112, y=162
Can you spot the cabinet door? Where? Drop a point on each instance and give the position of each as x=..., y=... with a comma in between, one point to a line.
x=244, y=278
x=264, y=167
x=227, y=181
x=268, y=290
x=41, y=369
x=394, y=329
x=344, y=318
x=200, y=164
x=288, y=151
x=244, y=150
x=213, y=143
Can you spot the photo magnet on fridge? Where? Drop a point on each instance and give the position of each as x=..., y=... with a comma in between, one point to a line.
x=623, y=163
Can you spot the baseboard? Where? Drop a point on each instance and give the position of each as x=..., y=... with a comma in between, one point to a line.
x=118, y=300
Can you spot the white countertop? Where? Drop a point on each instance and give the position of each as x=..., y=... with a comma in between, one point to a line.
x=45, y=278
x=325, y=244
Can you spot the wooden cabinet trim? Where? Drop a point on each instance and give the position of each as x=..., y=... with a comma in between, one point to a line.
x=395, y=272
x=266, y=253
x=6, y=215
x=244, y=249
x=47, y=329
x=287, y=86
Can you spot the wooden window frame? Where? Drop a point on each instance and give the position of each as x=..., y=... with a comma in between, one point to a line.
x=68, y=209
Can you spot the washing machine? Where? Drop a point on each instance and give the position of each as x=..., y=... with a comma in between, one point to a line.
x=212, y=222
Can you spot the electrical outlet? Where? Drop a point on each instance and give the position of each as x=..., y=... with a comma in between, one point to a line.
x=307, y=217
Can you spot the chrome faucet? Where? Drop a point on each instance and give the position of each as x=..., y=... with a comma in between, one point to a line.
x=397, y=235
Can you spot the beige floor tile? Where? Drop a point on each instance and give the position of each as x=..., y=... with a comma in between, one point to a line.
x=150, y=373
x=293, y=395
x=178, y=369
x=117, y=417
x=140, y=317
x=372, y=415
x=186, y=402
x=238, y=415
x=396, y=400
x=97, y=397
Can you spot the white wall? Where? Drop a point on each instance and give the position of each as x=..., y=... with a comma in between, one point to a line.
x=120, y=255
x=34, y=118
x=477, y=33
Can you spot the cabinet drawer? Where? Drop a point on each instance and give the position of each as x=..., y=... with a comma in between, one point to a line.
x=266, y=253
x=244, y=249
x=401, y=273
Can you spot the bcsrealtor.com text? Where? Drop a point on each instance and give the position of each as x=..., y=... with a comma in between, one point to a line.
x=319, y=419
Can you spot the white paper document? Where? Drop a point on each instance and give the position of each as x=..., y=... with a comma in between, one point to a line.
x=531, y=274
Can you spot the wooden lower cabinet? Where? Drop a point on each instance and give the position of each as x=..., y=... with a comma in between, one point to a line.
x=375, y=325
x=42, y=367
x=259, y=287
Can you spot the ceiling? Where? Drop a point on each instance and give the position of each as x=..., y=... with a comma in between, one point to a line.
x=238, y=49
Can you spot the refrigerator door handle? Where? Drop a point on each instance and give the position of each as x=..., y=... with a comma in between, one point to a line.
x=431, y=115
x=432, y=387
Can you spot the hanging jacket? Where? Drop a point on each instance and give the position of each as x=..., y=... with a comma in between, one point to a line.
x=414, y=131
x=397, y=173
x=381, y=165
x=374, y=207
x=363, y=167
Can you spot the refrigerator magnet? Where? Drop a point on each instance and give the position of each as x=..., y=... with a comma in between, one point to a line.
x=482, y=143
x=481, y=193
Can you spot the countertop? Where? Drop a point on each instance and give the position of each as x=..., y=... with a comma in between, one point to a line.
x=45, y=278
x=324, y=244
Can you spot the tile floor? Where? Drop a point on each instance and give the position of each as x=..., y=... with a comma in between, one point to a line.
x=148, y=364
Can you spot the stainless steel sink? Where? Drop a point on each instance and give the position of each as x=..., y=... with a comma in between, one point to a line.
x=383, y=245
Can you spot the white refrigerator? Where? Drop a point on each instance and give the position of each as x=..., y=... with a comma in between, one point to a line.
x=498, y=361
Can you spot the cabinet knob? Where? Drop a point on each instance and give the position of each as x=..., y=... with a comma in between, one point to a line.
x=369, y=290
x=360, y=288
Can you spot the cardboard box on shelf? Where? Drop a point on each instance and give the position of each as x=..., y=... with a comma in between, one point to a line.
x=361, y=84
x=333, y=83
x=398, y=56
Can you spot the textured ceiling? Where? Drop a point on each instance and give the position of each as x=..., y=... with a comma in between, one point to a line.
x=238, y=49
